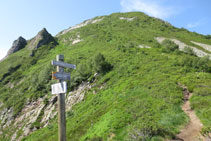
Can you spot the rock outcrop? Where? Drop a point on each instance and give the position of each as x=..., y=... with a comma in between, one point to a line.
x=17, y=45
x=205, y=46
x=6, y=117
x=85, y=23
x=182, y=46
x=42, y=38
x=128, y=19
x=33, y=110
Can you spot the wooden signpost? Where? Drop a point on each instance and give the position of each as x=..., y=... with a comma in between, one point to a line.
x=60, y=76
x=62, y=64
x=60, y=88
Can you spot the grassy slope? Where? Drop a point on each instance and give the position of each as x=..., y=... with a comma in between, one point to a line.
x=141, y=95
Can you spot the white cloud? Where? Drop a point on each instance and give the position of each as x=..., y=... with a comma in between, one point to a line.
x=151, y=7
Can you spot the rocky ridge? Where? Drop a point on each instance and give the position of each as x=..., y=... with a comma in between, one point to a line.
x=90, y=21
x=17, y=45
x=42, y=38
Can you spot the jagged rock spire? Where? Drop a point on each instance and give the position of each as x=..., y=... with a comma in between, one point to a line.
x=17, y=45
x=42, y=38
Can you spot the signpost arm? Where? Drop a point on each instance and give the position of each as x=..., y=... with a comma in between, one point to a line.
x=61, y=106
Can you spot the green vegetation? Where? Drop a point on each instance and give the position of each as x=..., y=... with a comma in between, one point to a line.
x=208, y=36
x=169, y=46
x=137, y=93
x=100, y=65
x=189, y=51
x=85, y=71
x=198, y=64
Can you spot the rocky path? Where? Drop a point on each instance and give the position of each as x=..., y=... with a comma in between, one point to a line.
x=192, y=131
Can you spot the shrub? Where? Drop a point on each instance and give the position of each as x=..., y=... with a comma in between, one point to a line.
x=169, y=46
x=100, y=65
x=208, y=37
x=189, y=51
x=157, y=45
x=200, y=64
x=131, y=45
x=203, y=91
x=204, y=64
x=83, y=72
x=86, y=69
x=44, y=76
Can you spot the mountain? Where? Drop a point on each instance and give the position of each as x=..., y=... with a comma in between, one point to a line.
x=17, y=45
x=42, y=38
x=134, y=73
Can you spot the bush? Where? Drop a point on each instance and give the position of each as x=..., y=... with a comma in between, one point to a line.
x=44, y=76
x=86, y=69
x=200, y=64
x=204, y=64
x=169, y=46
x=131, y=45
x=83, y=72
x=189, y=51
x=208, y=37
x=100, y=65
x=203, y=91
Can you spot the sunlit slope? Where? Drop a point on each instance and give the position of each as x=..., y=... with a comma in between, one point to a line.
x=137, y=98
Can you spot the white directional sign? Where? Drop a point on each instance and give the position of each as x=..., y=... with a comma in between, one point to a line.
x=62, y=64
x=61, y=75
x=59, y=88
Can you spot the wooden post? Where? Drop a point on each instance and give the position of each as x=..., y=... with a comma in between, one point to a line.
x=61, y=106
x=60, y=88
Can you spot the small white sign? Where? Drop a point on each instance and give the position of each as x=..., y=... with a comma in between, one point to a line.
x=59, y=88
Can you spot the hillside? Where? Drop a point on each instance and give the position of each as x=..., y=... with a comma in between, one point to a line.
x=128, y=85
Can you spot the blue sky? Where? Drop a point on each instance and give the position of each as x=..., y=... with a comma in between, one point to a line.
x=27, y=17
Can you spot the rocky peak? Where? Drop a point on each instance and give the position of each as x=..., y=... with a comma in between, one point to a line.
x=44, y=33
x=17, y=45
x=42, y=38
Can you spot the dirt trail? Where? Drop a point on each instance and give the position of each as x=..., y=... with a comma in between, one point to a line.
x=192, y=131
